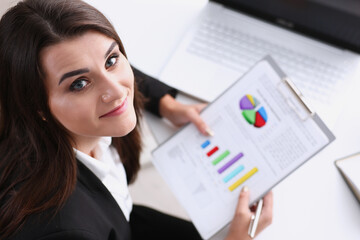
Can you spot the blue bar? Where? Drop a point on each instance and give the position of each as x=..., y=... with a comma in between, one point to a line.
x=233, y=173
x=205, y=144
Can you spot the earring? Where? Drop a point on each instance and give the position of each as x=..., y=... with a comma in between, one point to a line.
x=42, y=116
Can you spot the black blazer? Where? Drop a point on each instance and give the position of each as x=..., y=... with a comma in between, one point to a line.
x=152, y=89
x=90, y=213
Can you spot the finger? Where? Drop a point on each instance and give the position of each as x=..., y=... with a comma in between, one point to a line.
x=195, y=118
x=199, y=107
x=267, y=211
x=243, y=203
x=268, y=202
x=268, y=199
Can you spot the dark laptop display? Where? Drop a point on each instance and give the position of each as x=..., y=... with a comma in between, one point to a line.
x=334, y=21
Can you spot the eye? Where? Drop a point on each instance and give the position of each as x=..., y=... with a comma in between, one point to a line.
x=111, y=61
x=78, y=84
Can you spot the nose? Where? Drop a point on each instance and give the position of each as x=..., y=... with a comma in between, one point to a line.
x=106, y=97
x=111, y=89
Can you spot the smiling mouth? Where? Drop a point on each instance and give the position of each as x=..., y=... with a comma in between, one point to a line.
x=118, y=110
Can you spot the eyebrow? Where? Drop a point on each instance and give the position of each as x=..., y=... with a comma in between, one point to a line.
x=112, y=46
x=85, y=70
x=73, y=73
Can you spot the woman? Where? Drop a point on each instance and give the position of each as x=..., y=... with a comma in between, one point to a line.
x=69, y=135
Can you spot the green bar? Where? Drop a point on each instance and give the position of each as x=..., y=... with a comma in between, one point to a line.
x=221, y=157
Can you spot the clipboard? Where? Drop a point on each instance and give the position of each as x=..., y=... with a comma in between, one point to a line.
x=264, y=130
x=349, y=167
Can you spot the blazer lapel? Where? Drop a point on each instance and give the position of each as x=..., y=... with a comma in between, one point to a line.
x=95, y=186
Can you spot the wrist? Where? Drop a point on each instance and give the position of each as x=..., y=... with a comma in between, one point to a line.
x=166, y=104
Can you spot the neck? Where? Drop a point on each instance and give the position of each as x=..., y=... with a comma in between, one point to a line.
x=88, y=145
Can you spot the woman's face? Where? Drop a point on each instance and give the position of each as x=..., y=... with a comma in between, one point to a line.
x=90, y=86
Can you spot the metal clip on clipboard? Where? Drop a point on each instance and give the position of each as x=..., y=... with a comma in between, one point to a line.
x=299, y=106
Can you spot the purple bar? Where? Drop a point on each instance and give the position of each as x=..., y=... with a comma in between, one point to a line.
x=231, y=162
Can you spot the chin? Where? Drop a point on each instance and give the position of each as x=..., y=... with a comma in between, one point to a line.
x=133, y=125
x=128, y=127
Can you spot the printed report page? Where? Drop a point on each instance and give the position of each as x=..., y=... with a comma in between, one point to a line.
x=259, y=139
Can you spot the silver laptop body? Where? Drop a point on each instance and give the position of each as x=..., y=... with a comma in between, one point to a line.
x=222, y=44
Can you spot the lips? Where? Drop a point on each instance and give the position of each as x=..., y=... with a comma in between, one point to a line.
x=118, y=110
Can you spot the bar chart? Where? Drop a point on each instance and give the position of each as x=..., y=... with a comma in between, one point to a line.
x=227, y=165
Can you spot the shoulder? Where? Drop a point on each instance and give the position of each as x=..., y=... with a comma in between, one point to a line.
x=88, y=214
x=73, y=221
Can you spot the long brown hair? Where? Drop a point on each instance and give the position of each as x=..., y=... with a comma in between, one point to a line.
x=37, y=163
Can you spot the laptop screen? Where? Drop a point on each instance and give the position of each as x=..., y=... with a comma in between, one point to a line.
x=334, y=21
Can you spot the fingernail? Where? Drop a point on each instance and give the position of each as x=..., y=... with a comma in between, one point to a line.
x=245, y=189
x=209, y=132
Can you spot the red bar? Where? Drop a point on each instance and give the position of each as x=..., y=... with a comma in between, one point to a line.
x=212, y=151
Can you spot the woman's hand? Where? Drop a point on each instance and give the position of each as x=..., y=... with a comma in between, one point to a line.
x=240, y=223
x=179, y=114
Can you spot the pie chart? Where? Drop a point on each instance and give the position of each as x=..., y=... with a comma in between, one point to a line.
x=252, y=111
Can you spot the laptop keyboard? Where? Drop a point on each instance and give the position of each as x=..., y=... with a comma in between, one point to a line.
x=234, y=49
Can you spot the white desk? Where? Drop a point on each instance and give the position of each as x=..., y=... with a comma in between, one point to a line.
x=314, y=202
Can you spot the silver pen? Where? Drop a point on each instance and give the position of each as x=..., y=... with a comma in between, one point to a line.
x=254, y=221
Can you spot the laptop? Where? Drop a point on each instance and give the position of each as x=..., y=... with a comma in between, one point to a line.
x=316, y=43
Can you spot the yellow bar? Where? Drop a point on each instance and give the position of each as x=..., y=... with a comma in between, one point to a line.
x=243, y=179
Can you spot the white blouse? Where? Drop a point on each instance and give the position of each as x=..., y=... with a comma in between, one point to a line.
x=110, y=170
